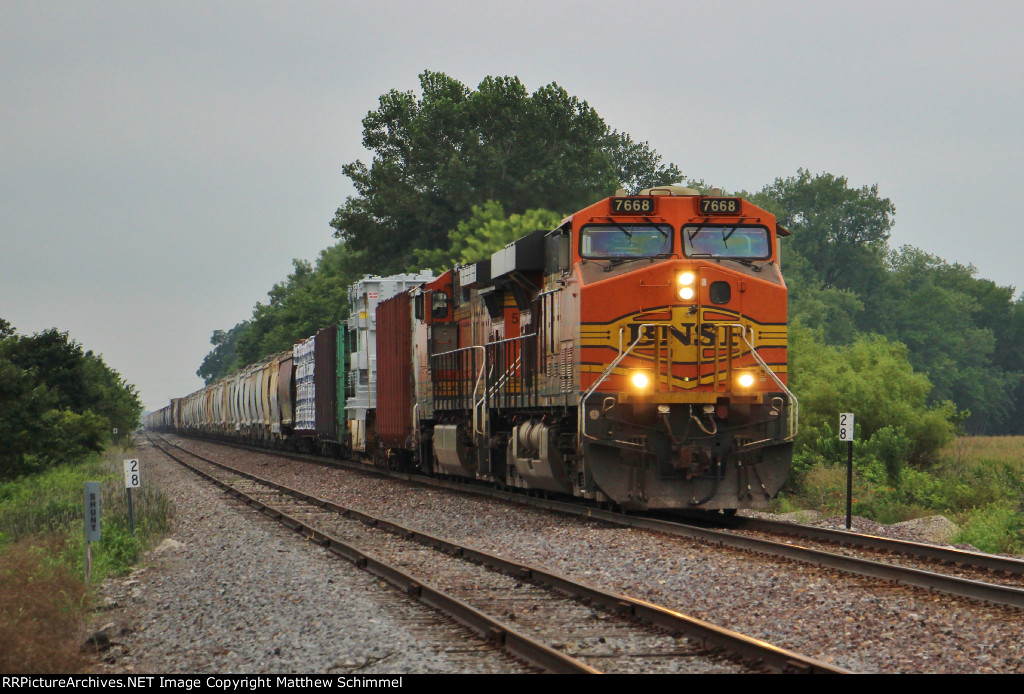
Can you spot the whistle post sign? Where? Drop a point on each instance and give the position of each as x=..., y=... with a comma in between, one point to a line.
x=846, y=434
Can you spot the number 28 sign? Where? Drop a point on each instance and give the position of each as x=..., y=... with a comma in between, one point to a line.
x=131, y=474
x=846, y=426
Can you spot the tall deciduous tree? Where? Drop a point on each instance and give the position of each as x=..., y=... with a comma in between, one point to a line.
x=438, y=155
x=57, y=401
x=313, y=296
x=843, y=232
x=224, y=355
x=487, y=230
x=959, y=330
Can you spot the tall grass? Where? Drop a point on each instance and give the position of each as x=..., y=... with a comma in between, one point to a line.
x=42, y=556
x=978, y=482
x=42, y=605
x=51, y=503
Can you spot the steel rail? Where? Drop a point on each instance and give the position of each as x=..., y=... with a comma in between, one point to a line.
x=491, y=629
x=961, y=587
x=748, y=648
x=918, y=578
x=948, y=555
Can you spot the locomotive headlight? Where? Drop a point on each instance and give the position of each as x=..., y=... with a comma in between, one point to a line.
x=746, y=380
x=641, y=380
x=685, y=282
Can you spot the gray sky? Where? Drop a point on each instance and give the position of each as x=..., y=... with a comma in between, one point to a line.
x=161, y=163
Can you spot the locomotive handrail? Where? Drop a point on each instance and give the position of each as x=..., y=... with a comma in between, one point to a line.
x=794, y=411
x=479, y=378
x=451, y=354
x=511, y=355
x=510, y=367
x=504, y=377
x=607, y=372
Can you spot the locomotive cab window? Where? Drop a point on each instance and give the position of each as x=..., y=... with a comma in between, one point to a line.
x=439, y=305
x=625, y=240
x=726, y=241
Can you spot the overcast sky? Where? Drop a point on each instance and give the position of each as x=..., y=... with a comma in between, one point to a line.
x=161, y=163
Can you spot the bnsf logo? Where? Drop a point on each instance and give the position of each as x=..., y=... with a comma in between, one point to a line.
x=686, y=334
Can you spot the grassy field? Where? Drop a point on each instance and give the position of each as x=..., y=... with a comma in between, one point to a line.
x=43, y=597
x=978, y=482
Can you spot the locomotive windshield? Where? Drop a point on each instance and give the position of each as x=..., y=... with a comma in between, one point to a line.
x=726, y=241
x=625, y=240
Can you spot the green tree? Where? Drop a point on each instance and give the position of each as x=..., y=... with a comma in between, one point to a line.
x=833, y=312
x=1010, y=342
x=438, y=155
x=57, y=401
x=313, y=296
x=843, y=232
x=224, y=355
x=487, y=230
x=873, y=378
x=111, y=396
x=55, y=361
x=959, y=330
x=636, y=165
x=23, y=404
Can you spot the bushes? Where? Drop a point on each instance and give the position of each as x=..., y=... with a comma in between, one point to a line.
x=42, y=557
x=872, y=378
x=997, y=527
x=984, y=495
x=73, y=436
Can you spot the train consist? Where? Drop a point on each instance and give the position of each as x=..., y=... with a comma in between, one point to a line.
x=635, y=355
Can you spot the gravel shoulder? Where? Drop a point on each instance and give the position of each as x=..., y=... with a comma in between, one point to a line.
x=217, y=603
x=232, y=592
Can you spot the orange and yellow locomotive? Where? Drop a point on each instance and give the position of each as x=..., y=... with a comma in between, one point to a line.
x=636, y=354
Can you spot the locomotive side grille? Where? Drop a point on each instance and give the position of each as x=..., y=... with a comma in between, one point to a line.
x=566, y=370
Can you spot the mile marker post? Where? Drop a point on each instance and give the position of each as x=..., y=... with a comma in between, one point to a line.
x=131, y=480
x=846, y=434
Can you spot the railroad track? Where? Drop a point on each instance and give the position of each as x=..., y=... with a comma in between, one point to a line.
x=548, y=620
x=971, y=575
x=974, y=575
x=965, y=564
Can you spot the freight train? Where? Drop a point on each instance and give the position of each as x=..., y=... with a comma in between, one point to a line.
x=635, y=355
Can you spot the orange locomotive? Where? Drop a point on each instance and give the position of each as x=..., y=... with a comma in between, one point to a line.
x=634, y=355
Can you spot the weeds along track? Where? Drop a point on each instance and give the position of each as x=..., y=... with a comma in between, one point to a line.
x=548, y=620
